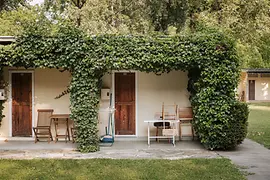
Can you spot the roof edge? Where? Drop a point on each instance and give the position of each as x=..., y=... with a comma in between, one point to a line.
x=256, y=70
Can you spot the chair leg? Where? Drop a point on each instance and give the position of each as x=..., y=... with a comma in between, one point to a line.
x=180, y=132
x=35, y=135
x=169, y=139
x=192, y=129
x=71, y=129
x=157, y=133
x=51, y=135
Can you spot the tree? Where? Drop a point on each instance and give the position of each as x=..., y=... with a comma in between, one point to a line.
x=246, y=21
x=164, y=13
x=13, y=23
x=103, y=16
x=59, y=6
x=9, y=5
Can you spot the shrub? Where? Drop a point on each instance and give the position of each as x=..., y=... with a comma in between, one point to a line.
x=224, y=129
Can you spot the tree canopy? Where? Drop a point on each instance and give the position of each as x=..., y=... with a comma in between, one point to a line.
x=13, y=23
x=8, y=5
x=245, y=21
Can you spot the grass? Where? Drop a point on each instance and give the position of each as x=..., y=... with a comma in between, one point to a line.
x=267, y=104
x=259, y=123
x=203, y=169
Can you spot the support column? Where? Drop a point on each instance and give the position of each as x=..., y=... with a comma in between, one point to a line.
x=85, y=89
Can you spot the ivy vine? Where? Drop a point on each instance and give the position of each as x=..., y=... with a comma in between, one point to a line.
x=2, y=86
x=210, y=59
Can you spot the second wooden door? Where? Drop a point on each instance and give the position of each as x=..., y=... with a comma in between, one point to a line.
x=125, y=103
x=251, y=89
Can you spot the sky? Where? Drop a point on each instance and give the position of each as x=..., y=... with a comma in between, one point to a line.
x=33, y=2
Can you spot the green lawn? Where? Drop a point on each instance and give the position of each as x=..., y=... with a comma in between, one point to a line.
x=120, y=169
x=267, y=104
x=259, y=124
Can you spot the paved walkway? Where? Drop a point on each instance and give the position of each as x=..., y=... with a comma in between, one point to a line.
x=250, y=157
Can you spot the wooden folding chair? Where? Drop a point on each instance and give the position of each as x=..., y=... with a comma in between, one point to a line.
x=43, y=128
x=186, y=118
x=169, y=112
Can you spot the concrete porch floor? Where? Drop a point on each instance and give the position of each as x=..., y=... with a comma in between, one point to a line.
x=119, y=150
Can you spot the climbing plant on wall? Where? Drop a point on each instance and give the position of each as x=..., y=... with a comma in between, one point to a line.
x=210, y=59
x=2, y=83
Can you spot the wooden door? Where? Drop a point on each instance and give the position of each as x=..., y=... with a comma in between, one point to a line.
x=125, y=103
x=251, y=89
x=21, y=104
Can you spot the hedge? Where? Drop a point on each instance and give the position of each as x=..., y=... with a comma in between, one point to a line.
x=210, y=59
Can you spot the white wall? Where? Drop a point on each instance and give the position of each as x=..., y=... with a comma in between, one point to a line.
x=262, y=88
x=242, y=87
x=49, y=83
x=153, y=90
x=4, y=129
x=103, y=113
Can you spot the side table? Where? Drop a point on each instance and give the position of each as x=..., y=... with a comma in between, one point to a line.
x=56, y=119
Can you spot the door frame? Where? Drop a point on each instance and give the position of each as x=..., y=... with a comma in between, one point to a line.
x=136, y=99
x=10, y=98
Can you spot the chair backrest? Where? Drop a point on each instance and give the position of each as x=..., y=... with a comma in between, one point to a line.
x=44, y=117
x=185, y=112
x=158, y=115
x=169, y=112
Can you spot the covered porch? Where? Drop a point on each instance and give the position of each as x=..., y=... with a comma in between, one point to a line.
x=137, y=96
x=208, y=61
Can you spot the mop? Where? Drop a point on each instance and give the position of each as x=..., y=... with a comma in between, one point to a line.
x=108, y=138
